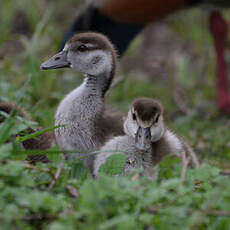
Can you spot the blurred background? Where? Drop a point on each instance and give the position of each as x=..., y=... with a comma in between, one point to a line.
x=172, y=60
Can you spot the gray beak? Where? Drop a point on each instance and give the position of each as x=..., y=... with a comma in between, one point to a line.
x=57, y=61
x=143, y=139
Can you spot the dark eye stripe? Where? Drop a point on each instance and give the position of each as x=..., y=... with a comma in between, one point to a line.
x=157, y=118
x=134, y=116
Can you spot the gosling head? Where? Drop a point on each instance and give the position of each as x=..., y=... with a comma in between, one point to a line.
x=89, y=53
x=145, y=122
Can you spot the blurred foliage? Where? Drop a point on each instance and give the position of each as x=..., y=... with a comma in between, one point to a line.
x=77, y=201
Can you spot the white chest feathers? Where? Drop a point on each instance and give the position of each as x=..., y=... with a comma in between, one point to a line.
x=173, y=141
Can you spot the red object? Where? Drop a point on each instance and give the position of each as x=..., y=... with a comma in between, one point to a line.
x=139, y=11
x=219, y=30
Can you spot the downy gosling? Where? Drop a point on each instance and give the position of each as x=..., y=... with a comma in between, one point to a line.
x=41, y=142
x=88, y=124
x=147, y=139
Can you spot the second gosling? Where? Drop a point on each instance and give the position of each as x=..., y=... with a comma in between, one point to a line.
x=147, y=139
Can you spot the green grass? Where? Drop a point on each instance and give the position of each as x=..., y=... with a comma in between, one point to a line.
x=108, y=203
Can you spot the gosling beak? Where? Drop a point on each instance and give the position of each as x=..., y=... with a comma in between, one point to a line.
x=57, y=61
x=143, y=139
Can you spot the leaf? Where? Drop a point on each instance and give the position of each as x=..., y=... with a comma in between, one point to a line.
x=6, y=129
x=123, y=221
x=167, y=167
x=5, y=150
x=78, y=170
x=114, y=165
x=36, y=134
x=13, y=168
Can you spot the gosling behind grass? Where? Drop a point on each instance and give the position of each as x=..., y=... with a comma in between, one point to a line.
x=147, y=139
x=41, y=142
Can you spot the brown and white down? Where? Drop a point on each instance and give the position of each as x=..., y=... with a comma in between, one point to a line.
x=146, y=141
x=41, y=142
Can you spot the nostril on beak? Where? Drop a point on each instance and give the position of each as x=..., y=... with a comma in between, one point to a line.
x=57, y=58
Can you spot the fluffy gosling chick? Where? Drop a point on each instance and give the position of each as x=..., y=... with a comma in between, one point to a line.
x=147, y=139
x=88, y=123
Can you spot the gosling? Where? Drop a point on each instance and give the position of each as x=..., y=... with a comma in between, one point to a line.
x=147, y=140
x=88, y=124
x=41, y=142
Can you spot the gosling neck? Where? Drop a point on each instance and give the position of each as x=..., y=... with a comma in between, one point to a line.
x=97, y=85
x=100, y=84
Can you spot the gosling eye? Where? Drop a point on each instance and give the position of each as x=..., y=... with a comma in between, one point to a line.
x=82, y=48
x=157, y=118
x=134, y=116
